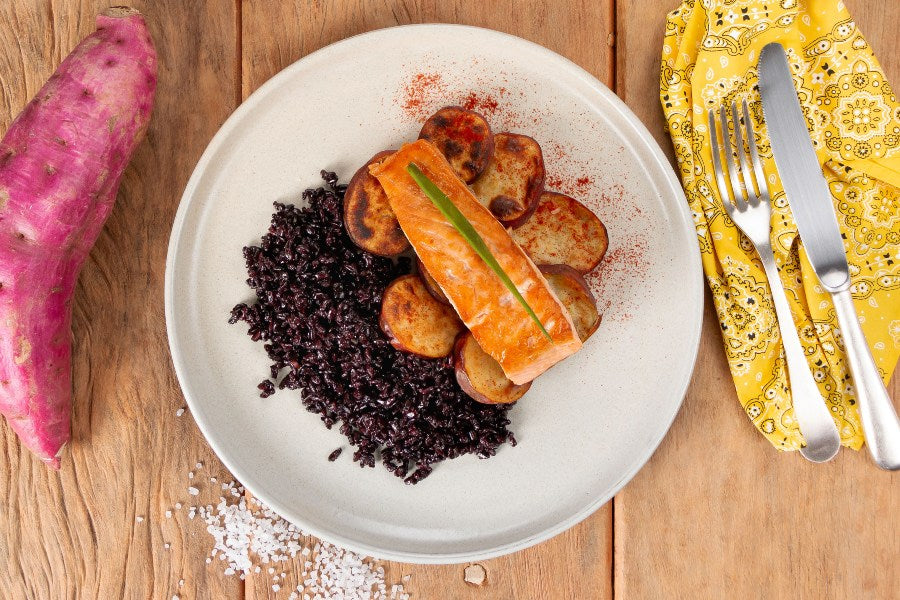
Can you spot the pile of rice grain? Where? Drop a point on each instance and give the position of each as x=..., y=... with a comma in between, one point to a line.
x=318, y=302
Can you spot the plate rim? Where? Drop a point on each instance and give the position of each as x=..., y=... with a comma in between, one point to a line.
x=684, y=220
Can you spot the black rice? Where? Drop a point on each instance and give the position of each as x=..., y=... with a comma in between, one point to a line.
x=318, y=299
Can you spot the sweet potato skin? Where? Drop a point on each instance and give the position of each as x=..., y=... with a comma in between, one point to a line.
x=60, y=165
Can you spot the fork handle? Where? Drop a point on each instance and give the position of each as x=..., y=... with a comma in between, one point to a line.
x=879, y=419
x=816, y=423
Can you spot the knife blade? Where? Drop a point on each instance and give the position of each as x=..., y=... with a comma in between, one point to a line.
x=799, y=170
x=810, y=201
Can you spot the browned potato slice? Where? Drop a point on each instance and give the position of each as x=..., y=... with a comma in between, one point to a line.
x=480, y=376
x=415, y=322
x=563, y=231
x=575, y=294
x=463, y=136
x=512, y=182
x=368, y=217
x=433, y=288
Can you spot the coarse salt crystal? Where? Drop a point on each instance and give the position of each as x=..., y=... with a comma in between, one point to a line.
x=179, y=412
x=475, y=574
x=166, y=545
x=139, y=519
x=193, y=491
x=198, y=465
x=248, y=534
x=168, y=514
x=175, y=597
x=190, y=475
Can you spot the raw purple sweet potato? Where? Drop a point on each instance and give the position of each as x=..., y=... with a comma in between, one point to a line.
x=60, y=165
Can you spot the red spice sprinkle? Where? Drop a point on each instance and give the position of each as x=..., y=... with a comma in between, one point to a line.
x=553, y=183
x=463, y=131
x=623, y=267
x=583, y=182
x=577, y=187
x=487, y=105
x=421, y=93
x=555, y=151
x=630, y=257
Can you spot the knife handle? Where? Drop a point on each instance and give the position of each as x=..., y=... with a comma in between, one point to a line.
x=879, y=419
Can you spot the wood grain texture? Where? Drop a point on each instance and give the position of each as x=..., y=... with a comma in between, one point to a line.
x=576, y=564
x=580, y=31
x=74, y=533
x=717, y=513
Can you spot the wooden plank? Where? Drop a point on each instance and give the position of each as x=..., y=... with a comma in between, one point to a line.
x=576, y=564
x=75, y=533
x=580, y=32
x=717, y=513
x=737, y=521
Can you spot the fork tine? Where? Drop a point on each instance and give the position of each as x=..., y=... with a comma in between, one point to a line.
x=752, y=198
x=761, y=183
x=739, y=198
x=717, y=162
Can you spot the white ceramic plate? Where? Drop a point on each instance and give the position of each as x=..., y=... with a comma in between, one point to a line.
x=584, y=429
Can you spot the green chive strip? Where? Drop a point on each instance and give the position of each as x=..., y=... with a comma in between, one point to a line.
x=465, y=229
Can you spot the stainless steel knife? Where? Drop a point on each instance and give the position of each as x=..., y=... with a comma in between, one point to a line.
x=811, y=204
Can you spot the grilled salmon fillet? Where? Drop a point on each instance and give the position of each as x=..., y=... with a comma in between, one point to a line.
x=500, y=324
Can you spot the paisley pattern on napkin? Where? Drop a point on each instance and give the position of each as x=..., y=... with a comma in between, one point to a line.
x=709, y=58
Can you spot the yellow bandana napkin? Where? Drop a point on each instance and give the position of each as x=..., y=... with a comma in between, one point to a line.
x=709, y=58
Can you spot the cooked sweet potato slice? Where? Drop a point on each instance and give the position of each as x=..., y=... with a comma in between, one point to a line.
x=563, y=231
x=480, y=376
x=463, y=137
x=368, y=217
x=415, y=322
x=511, y=184
x=432, y=285
x=575, y=294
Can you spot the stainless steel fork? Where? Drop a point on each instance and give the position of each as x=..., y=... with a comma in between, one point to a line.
x=749, y=208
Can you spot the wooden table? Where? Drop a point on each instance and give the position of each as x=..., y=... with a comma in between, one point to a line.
x=715, y=513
